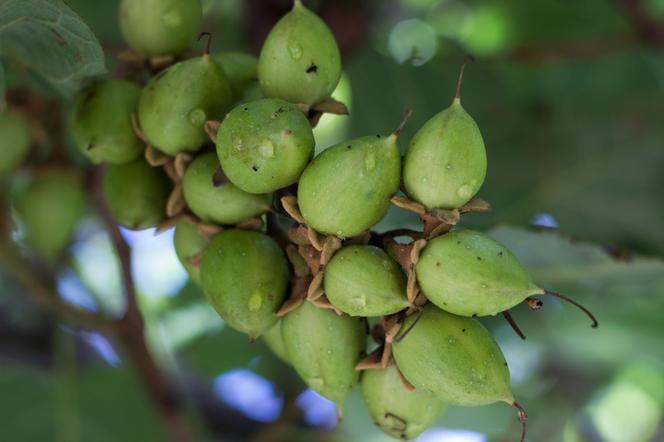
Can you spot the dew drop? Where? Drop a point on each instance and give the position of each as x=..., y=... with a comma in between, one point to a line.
x=237, y=143
x=465, y=191
x=449, y=166
x=359, y=301
x=484, y=286
x=295, y=50
x=197, y=117
x=172, y=19
x=266, y=149
x=255, y=301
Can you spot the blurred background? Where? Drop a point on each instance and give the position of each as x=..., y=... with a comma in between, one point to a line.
x=570, y=98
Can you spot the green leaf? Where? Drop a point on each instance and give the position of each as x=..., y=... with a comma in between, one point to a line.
x=2, y=88
x=48, y=37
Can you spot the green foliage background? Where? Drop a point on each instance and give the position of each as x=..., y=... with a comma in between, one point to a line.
x=577, y=135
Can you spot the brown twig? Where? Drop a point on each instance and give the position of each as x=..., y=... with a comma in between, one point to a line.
x=130, y=329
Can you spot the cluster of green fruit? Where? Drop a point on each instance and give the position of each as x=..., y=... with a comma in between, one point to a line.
x=280, y=241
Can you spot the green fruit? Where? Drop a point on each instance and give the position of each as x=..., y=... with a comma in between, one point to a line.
x=400, y=413
x=300, y=60
x=468, y=273
x=275, y=342
x=324, y=349
x=245, y=275
x=136, y=194
x=16, y=140
x=240, y=68
x=101, y=122
x=347, y=189
x=223, y=204
x=445, y=164
x=453, y=357
x=175, y=104
x=160, y=27
x=50, y=208
x=365, y=281
x=265, y=145
x=189, y=242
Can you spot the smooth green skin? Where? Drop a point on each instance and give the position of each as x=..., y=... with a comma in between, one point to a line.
x=225, y=204
x=365, y=281
x=137, y=194
x=275, y=342
x=346, y=190
x=50, y=208
x=245, y=275
x=400, y=413
x=445, y=164
x=265, y=145
x=453, y=357
x=241, y=69
x=16, y=141
x=298, y=43
x=175, y=104
x=468, y=273
x=188, y=242
x=101, y=122
x=324, y=348
x=160, y=27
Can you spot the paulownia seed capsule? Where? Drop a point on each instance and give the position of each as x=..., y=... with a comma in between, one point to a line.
x=300, y=60
x=220, y=203
x=16, y=140
x=324, y=349
x=400, y=413
x=245, y=275
x=189, y=242
x=365, y=281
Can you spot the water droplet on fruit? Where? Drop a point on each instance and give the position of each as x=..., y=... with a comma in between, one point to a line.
x=197, y=117
x=255, y=301
x=295, y=50
x=237, y=143
x=484, y=286
x=465, y=191
x=359, y=302
x=370, y=162
x=449, y=166
x=171, y=19
x=266, y=149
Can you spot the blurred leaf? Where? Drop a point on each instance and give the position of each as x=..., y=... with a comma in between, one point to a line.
x=2, y=88
x=50, y=38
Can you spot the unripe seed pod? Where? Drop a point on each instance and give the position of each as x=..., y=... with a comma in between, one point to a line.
x=275, y=341
x=219, y=203
x=445, y=164
x=365, y=281
x=468, y=273
x=50, y=208
x=400, y=413
x=324, y=349
x=300, y=60
x=241, y=69
x=16, y=140
x=136, y=194
x=160, y=27
x=245, y=275
x=347, y=189
x=189, y=242
x=453, y=357
x=265, y=145
x=101, y=122
x=175, y=104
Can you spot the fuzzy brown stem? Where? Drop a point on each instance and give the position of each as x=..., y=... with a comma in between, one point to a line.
x=579, y=306
x=513, y=324
x=523, y=418
x=469, y=59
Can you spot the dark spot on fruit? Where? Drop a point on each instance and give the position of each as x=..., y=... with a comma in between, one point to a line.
x=444, y=303
x=59, y=39
x=378, y=136
x=246, y=109
x=500, y=253
x=458, y=242
x=463, y=330
x=479, y=258
x=288, y=132
x=437, y=264
x=349, y=147
x=312, y=69
x=254, y=168
x=474, y=315
x=91, y=146
x=505, y=364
